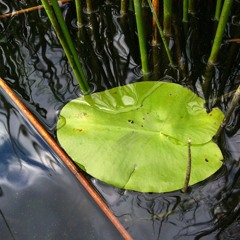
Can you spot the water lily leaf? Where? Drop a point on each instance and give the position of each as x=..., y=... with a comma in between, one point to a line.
x=135, y=136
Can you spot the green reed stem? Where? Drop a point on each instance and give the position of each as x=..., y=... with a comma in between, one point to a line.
x=76, y=66
x=141, y=35
x=78, y=4
x=218, y=10
x=209, y=71
x=185, y=11
x=84, y=84
x=123, y=9
x=161, y=32
x=220, y=31
x=167, y=17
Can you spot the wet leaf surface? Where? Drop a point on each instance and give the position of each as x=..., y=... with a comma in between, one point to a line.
x=135, y=136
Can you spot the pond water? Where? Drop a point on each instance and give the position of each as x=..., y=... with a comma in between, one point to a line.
x=35, y=67
x=39, y=197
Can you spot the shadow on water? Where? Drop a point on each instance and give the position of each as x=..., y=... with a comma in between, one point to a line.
x=34, y=65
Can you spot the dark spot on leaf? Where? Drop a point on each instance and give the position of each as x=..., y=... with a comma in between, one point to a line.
x=131, y=121
x=78, y=129
x=141, y=125
x=143, y=118
x=82, y=115
x=206, y=160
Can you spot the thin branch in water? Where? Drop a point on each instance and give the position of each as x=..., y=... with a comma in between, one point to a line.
x=235, y=100
x=28, y=10
x=189, y=167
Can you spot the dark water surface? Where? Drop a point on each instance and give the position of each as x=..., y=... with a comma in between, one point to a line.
x=35, y=67
x=39, y=197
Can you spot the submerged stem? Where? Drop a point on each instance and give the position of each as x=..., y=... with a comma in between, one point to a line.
x=189, y=166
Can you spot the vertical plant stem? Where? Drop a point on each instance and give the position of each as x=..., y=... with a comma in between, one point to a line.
x=220, y=31
x=218, y=10
x=155, y=39
x=80, y=77
x=179, y=51
x=84, y=83
x=234, y=102
x=189, y=166
x=78, y=4
x=131, y=5
x=123, y=9
x=192, y=7
x=216, y=46
x=141, y=35
x=167, y=17
x=185, y=19
x=89, y=6
x=185, y=11
x=161, y=32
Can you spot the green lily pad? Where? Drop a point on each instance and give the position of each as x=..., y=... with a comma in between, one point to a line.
x=136, y=136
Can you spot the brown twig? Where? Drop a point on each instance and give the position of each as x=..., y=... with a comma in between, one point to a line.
x=64, y=157
x=235, y=100
x=27, y=10
x=189, y=166
x=237, y=40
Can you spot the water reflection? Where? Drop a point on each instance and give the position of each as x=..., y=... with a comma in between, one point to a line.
x=39, y=197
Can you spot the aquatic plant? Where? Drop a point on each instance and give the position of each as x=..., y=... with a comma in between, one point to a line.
x=182, y=56
x=139, y=139
x=61, y=29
